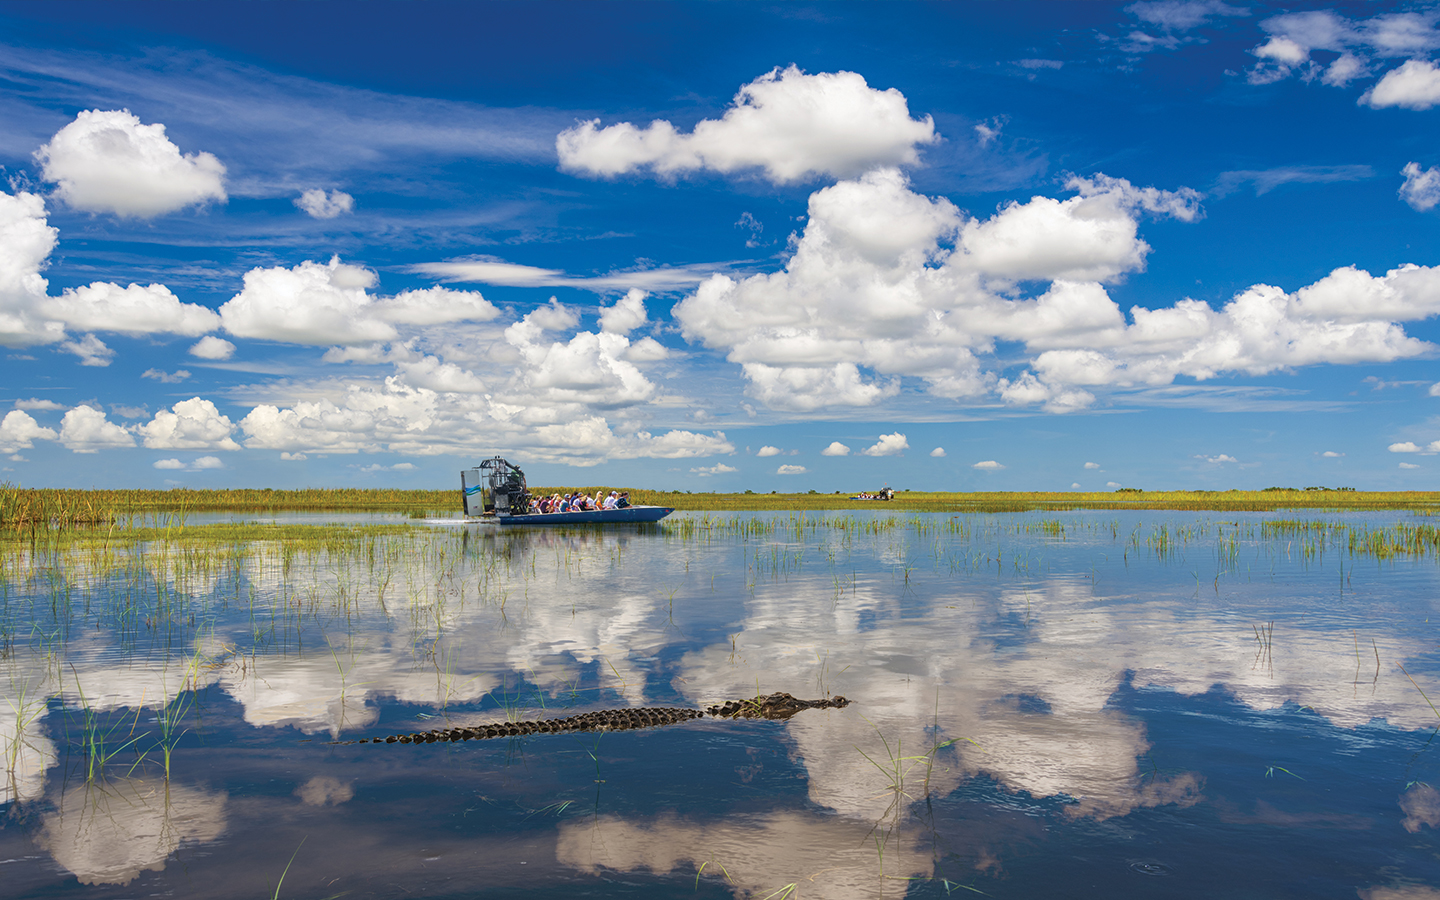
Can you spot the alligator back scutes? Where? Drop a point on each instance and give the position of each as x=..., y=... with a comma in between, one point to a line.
x=772, y=706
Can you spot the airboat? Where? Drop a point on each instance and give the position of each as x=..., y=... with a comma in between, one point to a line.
x=495, y=491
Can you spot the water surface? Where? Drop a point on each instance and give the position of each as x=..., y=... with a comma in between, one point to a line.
x=1153, y=704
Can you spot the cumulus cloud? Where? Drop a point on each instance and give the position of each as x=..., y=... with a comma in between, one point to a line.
x=26, y=239
x=318, y=204
x=329, y=304
x=790, y=470
x=1414, y=85
x=1363, y=44
x=885, y=283
x=37, y=403
x=196, y=465
x=988, y=465
x=1421, y=188
x=1092, y=465
x=86, y=430
x=193, y=424
x=767, y=450
x=403, y=418
x=787, y=124
x=1404, y=447
x=626, y=315
x=717, y=469
x=1405, y=465
x=211, y=347
x=1331, y=454
x=1112, y=484
x=19, y=431
x=91, y=350
x=134, y=309
x=835, y=449
x=1216, y=460
x=888, y=445
x=938, y=452
x=107, y=161
x=164, y=377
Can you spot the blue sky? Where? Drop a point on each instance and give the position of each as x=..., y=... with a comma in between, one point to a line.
x=784, y=247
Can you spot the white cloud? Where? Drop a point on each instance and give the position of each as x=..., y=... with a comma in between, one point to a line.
x=107, y=161
x=1266, y=180
x=498, y=272
x=319, y=205
x=589, y=369
x=193, y=424
x=1434, y=391
x=1405, y=465
x=988, y=465
x=787, y=124
x=19, y=431
x=164, y=377
x=1331, y=454
x=1361, y=45
x=1075, y=485
x=308, y=304
x=86, y=430
x=790, y=470
x=888, y=445
x=197, y=465
x=211, y=347
x=938, y=452
x=835, y=449
x=430, y=373
x=292, y=456
x=134, y=309
x=37, y=403
x=718, y=469
x=91, y=350
x=26, y=239
x=768, y=450
x=329, y=304
x=908, y=286
x=434, y=306
x=1091, y=465
x=1112, y=484
x=1414, y=85
x=647, y=349
x=1182, y=15
x=403, y=418
x=1215, y=460
x=1421, y=188
x=1404, y=447
x=626, y=315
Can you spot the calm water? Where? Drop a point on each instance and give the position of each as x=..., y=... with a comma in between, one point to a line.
x=1083, y=705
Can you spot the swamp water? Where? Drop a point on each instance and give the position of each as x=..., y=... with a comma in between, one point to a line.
x=1089, y=705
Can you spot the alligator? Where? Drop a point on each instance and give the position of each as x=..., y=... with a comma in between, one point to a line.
x=779, y=705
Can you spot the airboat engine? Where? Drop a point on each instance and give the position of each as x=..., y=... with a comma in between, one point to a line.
x=494, y=488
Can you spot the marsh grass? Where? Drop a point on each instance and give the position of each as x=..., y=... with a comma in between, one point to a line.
x=47, y=509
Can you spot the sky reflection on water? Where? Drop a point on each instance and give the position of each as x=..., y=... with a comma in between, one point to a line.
x=1062, y=704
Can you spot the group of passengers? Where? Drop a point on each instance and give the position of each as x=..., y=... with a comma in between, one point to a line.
x=582, y=502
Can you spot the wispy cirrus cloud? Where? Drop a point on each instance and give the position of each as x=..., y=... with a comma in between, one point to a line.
x=1266, y=180
x=488, y=270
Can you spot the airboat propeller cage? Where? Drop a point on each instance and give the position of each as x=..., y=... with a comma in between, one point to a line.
x=495, y=487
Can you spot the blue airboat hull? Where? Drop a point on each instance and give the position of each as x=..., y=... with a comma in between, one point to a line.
x=590, y=517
